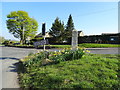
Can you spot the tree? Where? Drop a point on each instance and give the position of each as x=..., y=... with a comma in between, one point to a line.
x=21, y=25
x=69, y=26
x=57, y=30
x=2, y=39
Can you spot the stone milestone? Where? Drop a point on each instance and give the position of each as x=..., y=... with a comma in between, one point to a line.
x=74, y=40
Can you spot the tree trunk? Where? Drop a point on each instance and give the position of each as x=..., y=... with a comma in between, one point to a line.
x=21, y=41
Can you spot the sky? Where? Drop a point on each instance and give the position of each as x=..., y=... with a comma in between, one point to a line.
x=93, y=18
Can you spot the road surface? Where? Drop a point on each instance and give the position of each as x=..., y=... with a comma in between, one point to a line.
x=104, y=50
x=11, y=55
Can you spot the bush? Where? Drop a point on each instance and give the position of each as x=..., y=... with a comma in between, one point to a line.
x=8, y=42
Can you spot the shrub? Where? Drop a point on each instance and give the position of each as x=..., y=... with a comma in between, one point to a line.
x=6, y=42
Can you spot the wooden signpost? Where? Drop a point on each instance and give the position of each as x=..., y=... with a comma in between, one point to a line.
x=44, y=41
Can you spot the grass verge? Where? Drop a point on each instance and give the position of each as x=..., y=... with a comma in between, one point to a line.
x=93, y=45
x=85, y=45
x=91, y=71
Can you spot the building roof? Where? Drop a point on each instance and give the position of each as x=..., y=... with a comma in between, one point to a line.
x=46, y=35
x=109, y=33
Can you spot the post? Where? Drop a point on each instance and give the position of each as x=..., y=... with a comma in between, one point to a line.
x=44, y=44
x=74, y=40
x=43, y=33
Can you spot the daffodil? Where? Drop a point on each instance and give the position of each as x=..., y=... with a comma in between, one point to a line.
x=63, y=50
x=88, y=51
x=55, y=54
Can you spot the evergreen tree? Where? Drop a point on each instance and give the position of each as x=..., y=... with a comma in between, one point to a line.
x=69, y=26
x=57, y=30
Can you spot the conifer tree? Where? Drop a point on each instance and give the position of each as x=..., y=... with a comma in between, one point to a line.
x=69, y=26
x=57, y=30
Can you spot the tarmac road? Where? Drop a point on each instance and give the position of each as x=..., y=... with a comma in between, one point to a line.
x=11, y=55
x=104, y=50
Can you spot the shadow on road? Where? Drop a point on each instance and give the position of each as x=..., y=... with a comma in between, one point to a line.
x=2, y=58
x=14, y=67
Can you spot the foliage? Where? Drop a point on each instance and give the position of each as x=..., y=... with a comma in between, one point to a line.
x=69, y=26
x=63, y=55
x=66, y=55
x=8, y=42
x=94, y=45
x=2, y=39
x=57, y=30
x=21, y=25
x=91, y=71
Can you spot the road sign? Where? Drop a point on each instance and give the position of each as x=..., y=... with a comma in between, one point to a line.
x=42, y=42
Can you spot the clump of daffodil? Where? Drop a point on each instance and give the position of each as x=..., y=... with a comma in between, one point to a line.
x=55, y=54
x=63, y=50
x=88, y=51
x=81, y=48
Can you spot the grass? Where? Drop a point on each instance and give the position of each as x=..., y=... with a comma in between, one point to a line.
x=88, y=45
x=91, y=71
x=1, y=45
x=85, y=45
x=94, y=45
x=60, y=46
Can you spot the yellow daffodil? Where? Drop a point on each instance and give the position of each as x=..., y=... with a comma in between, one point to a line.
x=88, y=51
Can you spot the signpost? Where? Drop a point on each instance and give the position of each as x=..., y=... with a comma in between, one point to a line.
x=42, y=42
